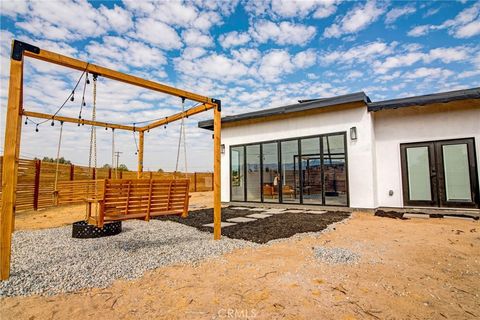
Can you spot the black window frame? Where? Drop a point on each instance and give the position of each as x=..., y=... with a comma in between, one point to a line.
x=279, y=151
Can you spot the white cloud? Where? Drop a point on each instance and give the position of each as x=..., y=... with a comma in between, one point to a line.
x=305, y=59
x=233, y=39
x=246, y=55
x=195, y=38
x=190, y=53
x=214, y=66
x=175, y=13
x=446, y=55
x=119, y=18
x=121, y=53
x=468, y=30
x=278, y=62
x=419, y=31
x=398, y=12
x=13, y=8
x=354, y=74
x=291, y=8
x=355, y=20
x=466, y=24
x=282, y=33
x=158, y=33
x=358, y=54
x=430, y=73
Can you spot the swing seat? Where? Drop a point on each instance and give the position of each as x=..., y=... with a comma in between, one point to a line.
x=138, y=199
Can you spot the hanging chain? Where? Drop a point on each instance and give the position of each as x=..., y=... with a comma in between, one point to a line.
x=182, y=133
x=184, y=140
x=58, y=154
x=113, y=153
x=93, y=135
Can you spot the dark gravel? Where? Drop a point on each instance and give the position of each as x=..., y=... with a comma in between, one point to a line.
x=278, y=226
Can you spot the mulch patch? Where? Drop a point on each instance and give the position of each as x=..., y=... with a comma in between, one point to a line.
x=278, y=226
x=389, y=214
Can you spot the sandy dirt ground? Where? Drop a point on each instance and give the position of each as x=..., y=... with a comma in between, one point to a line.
x=66, y=215
x=409, y=269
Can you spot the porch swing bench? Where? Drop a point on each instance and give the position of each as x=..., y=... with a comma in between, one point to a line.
x=122, y=199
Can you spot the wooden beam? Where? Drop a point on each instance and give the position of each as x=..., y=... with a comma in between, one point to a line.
x=141, y=139
x=217, y=207
x=40, y=115
x=177, y=116
x=10, y=164
x=72, y=63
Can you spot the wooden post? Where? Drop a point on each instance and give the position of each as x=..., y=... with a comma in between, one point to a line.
x=217, y=208
x=109, y=173
x=141, y=137
x=72, y=172
x=10, y=163
x=36, y=188
x=195, y=182
x=213, y=181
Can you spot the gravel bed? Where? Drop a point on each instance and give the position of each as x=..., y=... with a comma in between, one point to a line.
x=50, y=261
x=336, y=255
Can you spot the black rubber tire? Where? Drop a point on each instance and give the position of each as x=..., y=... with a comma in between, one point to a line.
x=83, y=230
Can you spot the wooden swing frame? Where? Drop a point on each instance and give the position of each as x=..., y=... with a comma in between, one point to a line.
x=13, y=131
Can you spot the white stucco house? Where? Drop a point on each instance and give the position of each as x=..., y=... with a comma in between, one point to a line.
x=348, y=151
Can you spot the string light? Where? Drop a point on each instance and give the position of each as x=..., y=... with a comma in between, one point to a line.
x=36, y=129
x=73, y=96
x=26, y=120
x=53, y=123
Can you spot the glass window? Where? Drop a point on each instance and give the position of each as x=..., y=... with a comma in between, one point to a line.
x=457, y=175
x=290, y=173
x=311, y=171
x=335, y=177
x=418, y=167
x=271, y=176
x=253, y=173
x=334, y=170
x=237, y=174
x=334, y=144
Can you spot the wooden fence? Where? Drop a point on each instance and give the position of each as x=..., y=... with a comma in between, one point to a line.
x=36, y=181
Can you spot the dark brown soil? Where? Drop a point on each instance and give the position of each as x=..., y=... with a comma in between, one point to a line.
x=277, y=226
x=389, y=214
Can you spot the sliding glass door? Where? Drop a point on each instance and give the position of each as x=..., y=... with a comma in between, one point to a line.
x=253, y=173
x=270, y=172
x=290, y=171
x=309, y=170
x=237, y=173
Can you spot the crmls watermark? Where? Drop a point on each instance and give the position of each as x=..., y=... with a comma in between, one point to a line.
x=229, y=313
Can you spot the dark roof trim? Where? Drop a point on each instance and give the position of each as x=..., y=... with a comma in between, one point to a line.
x=442, y=97
x=297, y=107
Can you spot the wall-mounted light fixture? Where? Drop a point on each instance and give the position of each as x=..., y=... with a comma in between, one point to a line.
x=353, y=133
x=222, y=149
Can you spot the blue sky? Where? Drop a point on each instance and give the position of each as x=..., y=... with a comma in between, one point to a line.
x=250, y=54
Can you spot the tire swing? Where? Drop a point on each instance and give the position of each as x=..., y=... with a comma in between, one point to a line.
x=81, y=229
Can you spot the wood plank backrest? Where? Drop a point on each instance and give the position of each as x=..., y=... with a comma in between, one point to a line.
x=145, y=197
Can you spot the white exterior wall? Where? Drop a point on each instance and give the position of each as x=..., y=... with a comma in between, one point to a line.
x=416, y=124
x=360, y=153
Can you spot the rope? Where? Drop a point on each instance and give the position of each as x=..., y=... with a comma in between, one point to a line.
x=58, y=154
